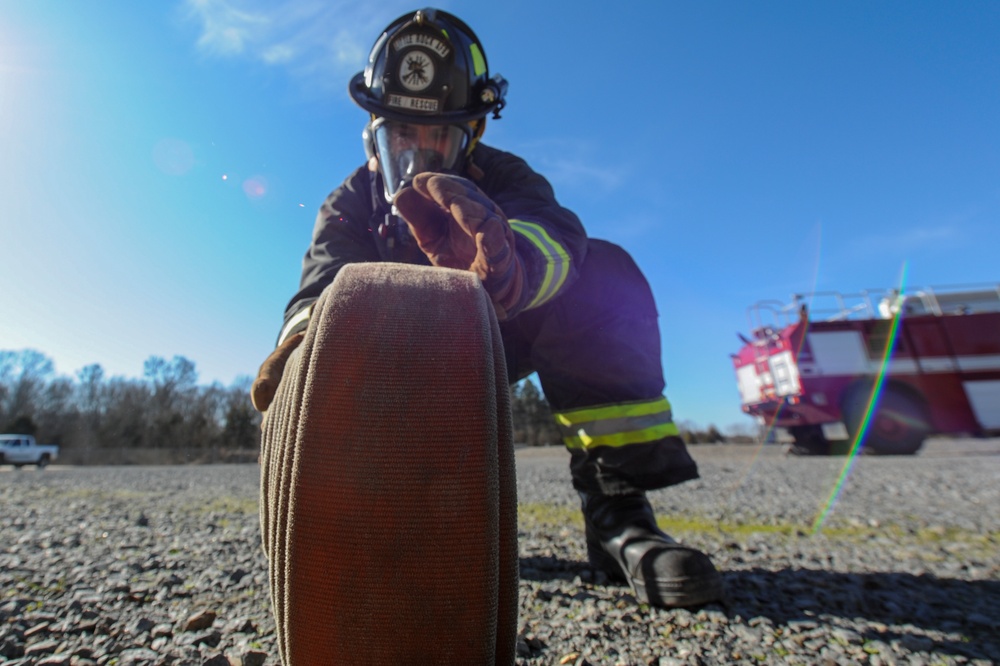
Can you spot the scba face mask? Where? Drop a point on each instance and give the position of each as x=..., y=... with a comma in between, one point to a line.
x=406, y=149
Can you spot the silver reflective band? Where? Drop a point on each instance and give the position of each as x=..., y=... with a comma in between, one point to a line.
x=299, y=317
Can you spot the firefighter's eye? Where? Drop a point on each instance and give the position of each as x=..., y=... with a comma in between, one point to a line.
x=404, y=133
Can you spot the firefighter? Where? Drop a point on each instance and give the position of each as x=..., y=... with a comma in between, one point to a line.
x=573, y=309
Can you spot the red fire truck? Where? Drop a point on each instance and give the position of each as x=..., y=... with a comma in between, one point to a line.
x=908, y=364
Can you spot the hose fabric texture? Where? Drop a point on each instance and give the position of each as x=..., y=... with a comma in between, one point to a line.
x=388, y=495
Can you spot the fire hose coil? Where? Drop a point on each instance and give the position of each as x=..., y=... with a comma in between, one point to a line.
x=388, y=494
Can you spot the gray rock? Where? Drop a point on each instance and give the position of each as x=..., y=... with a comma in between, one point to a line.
x=201, y=620
x=896, y=575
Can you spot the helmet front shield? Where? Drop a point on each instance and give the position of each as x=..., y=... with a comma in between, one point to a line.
x=428, y=68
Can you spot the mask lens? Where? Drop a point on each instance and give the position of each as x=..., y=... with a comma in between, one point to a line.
x=406, y=149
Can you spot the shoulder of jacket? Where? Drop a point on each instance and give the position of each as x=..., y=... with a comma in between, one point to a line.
x=353, y=196
x=499, y=166
x=486, y=156
x=358, y=183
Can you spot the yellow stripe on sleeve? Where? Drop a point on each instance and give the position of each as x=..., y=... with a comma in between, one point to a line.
x=557, y=259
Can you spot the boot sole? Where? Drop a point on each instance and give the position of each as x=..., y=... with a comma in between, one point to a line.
x=673, y=593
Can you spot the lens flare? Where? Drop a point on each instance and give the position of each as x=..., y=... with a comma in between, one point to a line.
x=769, y=426
x=173, y=157
x=255, y=187
x=761, y=443
x=870, y=409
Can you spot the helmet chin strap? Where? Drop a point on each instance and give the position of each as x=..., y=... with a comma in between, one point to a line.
x=392, y=230
x=396, y=235
x=478, y=129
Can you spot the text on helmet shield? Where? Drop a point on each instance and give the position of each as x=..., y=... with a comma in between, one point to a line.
x=412, y=103
x=418, y=39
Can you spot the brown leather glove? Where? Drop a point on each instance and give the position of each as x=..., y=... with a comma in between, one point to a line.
x=457, y=226
x=269, y=375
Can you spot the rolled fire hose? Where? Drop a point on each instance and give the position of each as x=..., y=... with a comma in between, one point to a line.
x=388, y=494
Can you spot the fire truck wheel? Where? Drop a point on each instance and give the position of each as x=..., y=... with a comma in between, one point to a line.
x=809, y=441
x=897, y=427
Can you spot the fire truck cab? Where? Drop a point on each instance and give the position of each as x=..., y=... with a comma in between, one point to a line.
x=887, y=366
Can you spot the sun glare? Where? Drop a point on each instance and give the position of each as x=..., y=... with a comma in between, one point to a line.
x=22, y=78
x=8, y=80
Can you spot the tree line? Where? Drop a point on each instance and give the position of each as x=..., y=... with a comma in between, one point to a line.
x=91, y=412
x=94, y=417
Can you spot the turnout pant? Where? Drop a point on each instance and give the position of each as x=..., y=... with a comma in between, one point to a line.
x=596, y=349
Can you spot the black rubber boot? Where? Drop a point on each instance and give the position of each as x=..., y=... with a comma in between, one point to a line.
x=624, y=542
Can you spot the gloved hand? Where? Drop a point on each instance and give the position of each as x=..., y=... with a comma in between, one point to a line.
x=457, y=226
x=269, y=376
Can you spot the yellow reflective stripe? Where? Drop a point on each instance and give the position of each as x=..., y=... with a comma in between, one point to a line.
x=617, y=425
x=584, y=441
x=623, y=410
x=603, y=427
x=557, y=260
x=478, y=61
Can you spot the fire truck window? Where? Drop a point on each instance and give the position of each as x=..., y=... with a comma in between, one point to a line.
x=878, y=338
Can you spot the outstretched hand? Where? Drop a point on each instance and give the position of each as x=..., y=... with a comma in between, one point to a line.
x=269, y=376
x=457, y=226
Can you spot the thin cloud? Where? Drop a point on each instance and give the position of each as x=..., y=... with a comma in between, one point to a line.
x=632, y=226
x=581, y=173
x=278, y=55
x=225, y=29
x=570, y=163
x=319, y=42
x=918, y=238
x=913, y=240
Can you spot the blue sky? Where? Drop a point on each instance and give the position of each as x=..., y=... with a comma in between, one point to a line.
x=161, y=163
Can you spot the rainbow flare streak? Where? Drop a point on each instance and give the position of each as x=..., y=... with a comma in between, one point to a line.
x=873, y=400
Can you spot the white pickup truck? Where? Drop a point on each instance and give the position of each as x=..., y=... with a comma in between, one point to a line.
x=18, y=450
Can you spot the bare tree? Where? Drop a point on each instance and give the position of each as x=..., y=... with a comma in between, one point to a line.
x=24, y=375
x=532, y=417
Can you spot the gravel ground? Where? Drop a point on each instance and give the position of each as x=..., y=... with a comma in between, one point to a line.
x=162, y=565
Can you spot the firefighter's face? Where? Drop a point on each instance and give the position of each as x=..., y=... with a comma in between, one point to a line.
x=406, y=149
